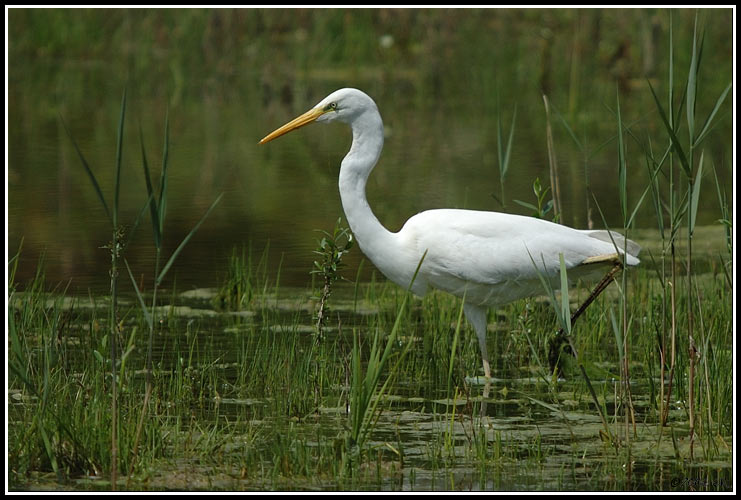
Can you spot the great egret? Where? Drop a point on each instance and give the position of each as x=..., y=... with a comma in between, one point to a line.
x=486, y=258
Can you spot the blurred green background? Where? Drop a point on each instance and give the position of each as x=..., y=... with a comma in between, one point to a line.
x=443, y=79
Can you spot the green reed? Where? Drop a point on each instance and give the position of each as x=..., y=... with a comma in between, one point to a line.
x=504, y=152
x=364, y=393
x=685, y=210
x=116, y=247
x=63, y=418
x=157, y=211
x=117, y=362
x=272, y=361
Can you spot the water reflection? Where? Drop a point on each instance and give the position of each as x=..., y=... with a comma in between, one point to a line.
x=442, y=99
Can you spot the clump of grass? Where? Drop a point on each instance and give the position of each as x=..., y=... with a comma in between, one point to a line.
x=364, y=395
x=157, y=211
x=60, y=418
x=553, y=163
x=245, y=280
x=236, y=292
x=116, y=364
x=683, y=208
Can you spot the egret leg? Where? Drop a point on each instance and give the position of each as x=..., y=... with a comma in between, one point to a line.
x=477, y=317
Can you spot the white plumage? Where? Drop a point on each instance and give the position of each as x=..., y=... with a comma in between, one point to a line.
x=484, y=257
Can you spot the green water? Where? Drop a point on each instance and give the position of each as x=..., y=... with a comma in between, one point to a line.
x=443, y=81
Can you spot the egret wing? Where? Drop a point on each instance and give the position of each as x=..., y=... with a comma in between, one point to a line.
x=490, y=248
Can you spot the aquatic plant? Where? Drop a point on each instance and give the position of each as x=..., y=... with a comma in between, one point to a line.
x=157, y=209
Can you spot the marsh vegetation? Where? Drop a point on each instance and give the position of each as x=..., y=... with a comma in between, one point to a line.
x=303, y=369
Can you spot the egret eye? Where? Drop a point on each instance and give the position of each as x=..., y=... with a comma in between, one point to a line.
x=333, y=105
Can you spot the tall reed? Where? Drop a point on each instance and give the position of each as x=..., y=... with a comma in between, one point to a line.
x=116, y=247
x=692, y=169
x=157, y=211
x=157, y=208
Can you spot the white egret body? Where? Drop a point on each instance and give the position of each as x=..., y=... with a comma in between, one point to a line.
x=486, y=258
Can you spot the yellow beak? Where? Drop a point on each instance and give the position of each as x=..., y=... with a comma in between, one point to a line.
x=300, y=121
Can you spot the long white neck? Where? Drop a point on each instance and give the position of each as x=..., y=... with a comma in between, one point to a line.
x=367, y=142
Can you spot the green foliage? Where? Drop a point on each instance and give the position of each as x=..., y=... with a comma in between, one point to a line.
x=364, y=393
x=117, y=246
x=236, y=292
x=331, y=248
x=543, y=206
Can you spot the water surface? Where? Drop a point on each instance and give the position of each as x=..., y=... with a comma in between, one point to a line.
x=445, y=83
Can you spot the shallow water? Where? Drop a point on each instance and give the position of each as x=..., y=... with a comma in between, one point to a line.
x=512, y=434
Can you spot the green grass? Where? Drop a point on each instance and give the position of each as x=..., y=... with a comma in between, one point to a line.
x=65, y=451
x=244, y=280
x=236, y=393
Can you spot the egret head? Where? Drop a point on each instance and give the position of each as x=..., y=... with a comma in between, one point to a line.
x=344, y=105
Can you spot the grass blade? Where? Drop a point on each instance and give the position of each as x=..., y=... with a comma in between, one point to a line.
x=455, y=341
x=89, y=171
x=130, y=233
x=17, y=362
x=505, y=161
x=154, y=213
x=49, y=450
x=163, y=178
x=725, y=216
x=695, y=200
x=649, y=187
x=671, y=67
x=622, y=170
x=139, y=295
x=553, y=164
x=565, y=311
x=618, y=335
x=119, y=154
x=706, y=126
x=185, y=240
x=692, y=87
x=564, y=321
x=672, y=135
x=500, y=156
